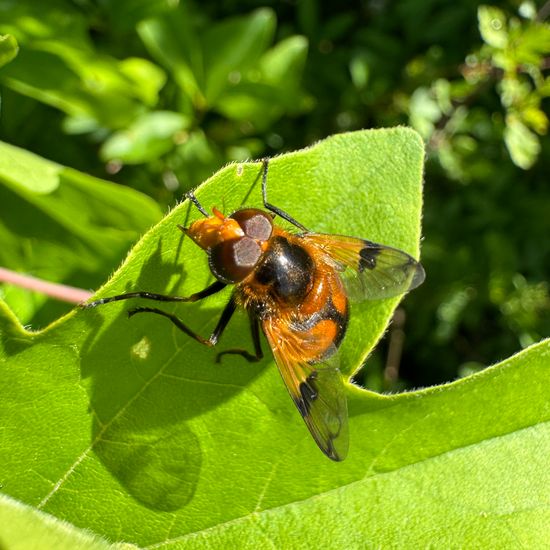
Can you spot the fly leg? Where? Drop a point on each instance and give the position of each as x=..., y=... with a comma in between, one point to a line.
x=276, y=210
x=212, y=340
x=258, y=353
x=208, y=291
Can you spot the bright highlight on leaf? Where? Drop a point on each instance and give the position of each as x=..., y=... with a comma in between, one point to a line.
x=8, y=48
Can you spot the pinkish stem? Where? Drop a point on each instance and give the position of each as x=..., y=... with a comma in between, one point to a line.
x=60, y=292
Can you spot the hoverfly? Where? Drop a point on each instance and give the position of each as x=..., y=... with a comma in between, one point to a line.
x=296, y=287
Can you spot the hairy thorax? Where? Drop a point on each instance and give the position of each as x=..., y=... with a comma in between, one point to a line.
x=293, y=287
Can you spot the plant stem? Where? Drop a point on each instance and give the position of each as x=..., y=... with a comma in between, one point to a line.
x=59, y=292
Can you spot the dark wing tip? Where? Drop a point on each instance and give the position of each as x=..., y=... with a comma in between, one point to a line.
x=418, y=277
x=334, y=442
x=333, y=454
x=327, y=445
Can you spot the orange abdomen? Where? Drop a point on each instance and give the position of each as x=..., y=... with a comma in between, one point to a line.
x=321, y=321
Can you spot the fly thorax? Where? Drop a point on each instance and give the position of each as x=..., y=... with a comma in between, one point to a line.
x=287, y=270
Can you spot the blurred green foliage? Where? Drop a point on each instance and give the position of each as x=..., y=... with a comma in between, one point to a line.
x=158, y=95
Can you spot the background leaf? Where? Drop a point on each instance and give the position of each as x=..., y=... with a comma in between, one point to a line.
x=242, y=41
x=8, y=49
x=522, y=144
x=151, y=135
x=63, y=226
x=59, y=65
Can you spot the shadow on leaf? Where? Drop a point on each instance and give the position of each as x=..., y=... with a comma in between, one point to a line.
x=148, y=381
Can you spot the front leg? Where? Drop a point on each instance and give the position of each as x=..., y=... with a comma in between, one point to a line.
x=216, y=286
x=212, y=340
x=258, y=353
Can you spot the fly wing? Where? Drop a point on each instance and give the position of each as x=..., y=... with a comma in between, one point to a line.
x=317, y=390
x=370, y=271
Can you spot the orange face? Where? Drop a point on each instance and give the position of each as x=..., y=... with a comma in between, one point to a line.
x=235, y=244
x=214, y=230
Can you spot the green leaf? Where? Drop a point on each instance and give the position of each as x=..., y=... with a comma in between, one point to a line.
x=171, y=39
x=284, y=63
x=522, y=144
x=535, y=118
x=63, y=226
x=59, y=65
x=149, y=137
x=24, y=527
x=424, y=111
x=493, y=26
x=129, y=429
x=272, y=88
x=533, y=44
x=233, y=46
x=125, y=15
x=204, y=63
x=8, y=48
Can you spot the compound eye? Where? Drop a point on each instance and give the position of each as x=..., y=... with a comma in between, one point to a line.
x=233, y=261
x=255, y=223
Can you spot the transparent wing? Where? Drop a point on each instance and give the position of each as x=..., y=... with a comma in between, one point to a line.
x=370, y=271
x=316, y=389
